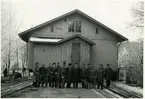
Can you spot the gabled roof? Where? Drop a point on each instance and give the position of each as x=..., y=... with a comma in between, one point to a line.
x=24, y=34
x=76, y=36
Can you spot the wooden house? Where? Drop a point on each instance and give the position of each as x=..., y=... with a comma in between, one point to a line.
x=72, y=37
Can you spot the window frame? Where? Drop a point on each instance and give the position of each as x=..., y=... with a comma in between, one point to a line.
x=68, y=26
x=73, y=20
x=97, y=30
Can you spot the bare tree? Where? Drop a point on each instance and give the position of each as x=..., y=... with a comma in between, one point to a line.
x=138, y=21
x=9, y=30
x=138, y=14
x=23, y=57
x=135, y=50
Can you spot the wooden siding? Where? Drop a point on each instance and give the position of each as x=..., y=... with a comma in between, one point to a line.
x=30, y=55
x=85, y=53
x=61, y=29
x=48, y=53
x=104, y=52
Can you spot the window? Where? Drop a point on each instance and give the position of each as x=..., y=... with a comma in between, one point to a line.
x=74, y=26
x=71, y=26
x=96, y=30
x=52, y=29
x=78, y=26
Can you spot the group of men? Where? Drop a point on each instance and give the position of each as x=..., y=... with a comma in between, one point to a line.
x=59, y=76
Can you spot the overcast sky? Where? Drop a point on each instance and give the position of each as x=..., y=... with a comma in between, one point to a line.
x=115, y=14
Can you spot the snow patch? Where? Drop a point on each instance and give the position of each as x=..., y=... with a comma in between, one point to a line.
x=113, y=93
x=137, y=90
x=34, y=39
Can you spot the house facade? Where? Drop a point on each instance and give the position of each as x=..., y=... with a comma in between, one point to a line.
x=72, y=37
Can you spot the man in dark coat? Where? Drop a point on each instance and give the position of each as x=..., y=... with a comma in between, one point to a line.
x=54, y=75
x=88, y=74
x=48, y=73
x=69, y=76
x=43, y=73
x=93, y=77
x=51, y=76
x=108, y=74
x=64, y=74
x=75, y=76
x=46, y=76
x=100, y=76
x=85, y=77
x=5, y=72
x=36, y=76
x=82, y=75
x=58, y=75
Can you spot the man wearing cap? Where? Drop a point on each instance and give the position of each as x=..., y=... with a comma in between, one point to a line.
x=64, y=74
x=82, y=75
x=51, y=75
x=69, y=76
x=100, y=76
x=43, y=73
x=58, y=75
x=75, y=76
x=36, y=76
x=108, y=74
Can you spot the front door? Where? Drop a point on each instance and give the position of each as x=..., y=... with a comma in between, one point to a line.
x=75, y=55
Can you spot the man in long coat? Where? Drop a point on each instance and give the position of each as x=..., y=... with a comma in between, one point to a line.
x=88, y=75
x=47, y=76
x=36, y=76
x=58, y=76
x=5, y=72
x=64, y=74
x=54, y=75
x=46, y=80
x=82, y=75
x=43, y=73
x=48, y=68
x=51, y=76
x=93, y=77
x=108, y=74
x=75, y=76
x=100, y=76
x=69, y=76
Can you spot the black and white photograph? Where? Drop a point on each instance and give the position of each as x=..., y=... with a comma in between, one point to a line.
x=72, y=48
